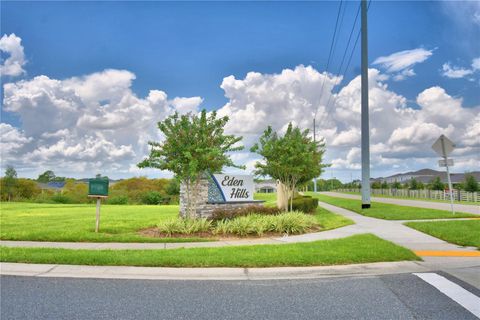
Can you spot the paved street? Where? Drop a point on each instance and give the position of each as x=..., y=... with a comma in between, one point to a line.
x=404, y=296
x=475, y=209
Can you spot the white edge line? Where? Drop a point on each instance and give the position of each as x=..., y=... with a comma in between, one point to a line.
x=452, y=290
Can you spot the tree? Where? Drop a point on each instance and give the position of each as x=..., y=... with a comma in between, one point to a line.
x=415, y=185
x=293, y=159
x=470, y=184
x=10, y=181
x=46, y=177
x=376, y=185
x=384, y=185
x=173, y=187
x=437, y=184
x=193, y=146
x=396, y=185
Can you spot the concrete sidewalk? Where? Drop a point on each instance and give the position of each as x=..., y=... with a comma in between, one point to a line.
x=474, y=209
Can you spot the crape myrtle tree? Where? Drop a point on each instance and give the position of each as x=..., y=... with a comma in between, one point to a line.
x=293, y=158
x=193, y=145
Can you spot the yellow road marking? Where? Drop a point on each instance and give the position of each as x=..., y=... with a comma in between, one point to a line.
x=431, y=253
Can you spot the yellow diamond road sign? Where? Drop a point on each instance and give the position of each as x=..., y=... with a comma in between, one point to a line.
x=443, y=146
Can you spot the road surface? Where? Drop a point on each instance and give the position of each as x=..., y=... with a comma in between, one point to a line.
x=402, y=296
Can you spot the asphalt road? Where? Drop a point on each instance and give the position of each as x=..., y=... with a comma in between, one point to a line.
x=403, y=296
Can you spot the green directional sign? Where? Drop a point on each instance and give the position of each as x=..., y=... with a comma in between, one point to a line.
x=98, y=187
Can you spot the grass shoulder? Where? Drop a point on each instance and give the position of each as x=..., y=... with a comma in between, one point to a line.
x=362, y=248
x=461, y=232
x=390, y=211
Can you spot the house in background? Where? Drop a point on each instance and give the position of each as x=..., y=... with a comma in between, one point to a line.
x=426, y=176
x=266, y=186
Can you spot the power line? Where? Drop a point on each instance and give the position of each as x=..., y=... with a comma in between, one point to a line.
x=330, y=53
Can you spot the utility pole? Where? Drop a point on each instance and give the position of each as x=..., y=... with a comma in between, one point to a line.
x=365, y=126
x=314, y=140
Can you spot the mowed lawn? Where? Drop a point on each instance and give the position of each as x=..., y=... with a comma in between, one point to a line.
x=362, y=248
x=76, y=222
x=118, y=223
x=391, y=211
x=462, y=232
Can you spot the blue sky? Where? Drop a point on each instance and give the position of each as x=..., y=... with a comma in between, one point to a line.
x=186, y=49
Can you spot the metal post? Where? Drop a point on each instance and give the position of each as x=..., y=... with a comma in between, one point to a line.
x=97, y=222
x=365, y=125
x=450, y=189
x=314, y=140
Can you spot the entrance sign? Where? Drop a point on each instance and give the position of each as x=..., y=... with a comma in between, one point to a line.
x=443, y=147
x=98, y=188
x=235, y=188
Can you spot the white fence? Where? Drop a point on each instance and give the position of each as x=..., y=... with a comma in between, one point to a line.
x=458, y=195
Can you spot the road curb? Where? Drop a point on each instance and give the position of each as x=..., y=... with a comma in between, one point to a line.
x=160, y=273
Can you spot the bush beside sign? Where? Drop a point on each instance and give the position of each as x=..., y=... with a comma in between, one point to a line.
x=98, y=187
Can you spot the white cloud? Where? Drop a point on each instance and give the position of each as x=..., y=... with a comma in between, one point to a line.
x=400, y=63
x=93, y=121
x=454, y=72
x=13, y=65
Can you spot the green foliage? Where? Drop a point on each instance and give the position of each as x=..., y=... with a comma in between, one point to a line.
x=184, y=226
x=45, y=177
x=173, y=187
x=470, y=184
x=253, y=224
x=437, y=184
x=376, y=185
x=118, y=200
x=415, y=185
x=9, y=182
x=397, y=185
x=221, y=214
x=152, y=197
x=18, y=189
x=384, y=185
x=61, y=198
x=193, y=145
x=293, y=158
x=305, y=204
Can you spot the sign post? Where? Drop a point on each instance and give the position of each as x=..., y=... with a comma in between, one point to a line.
x=98, y=188
x=443, y=147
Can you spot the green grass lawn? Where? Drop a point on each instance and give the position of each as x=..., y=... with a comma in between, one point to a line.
x=269, y=198
x=70, y=222
x=420, y=199
x=390, y=211
x=329, y=220
x=118, y=223
x=355, y=249
x=462, y=232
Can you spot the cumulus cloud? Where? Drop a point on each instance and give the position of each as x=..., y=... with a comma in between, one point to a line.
x=11, y=45
x=93, y=121
x=401, y=63
x=96, y=122
x=455, y=72
x=400, y=136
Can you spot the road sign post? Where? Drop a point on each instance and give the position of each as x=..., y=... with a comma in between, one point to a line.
x=98, y=188
x=443, y=147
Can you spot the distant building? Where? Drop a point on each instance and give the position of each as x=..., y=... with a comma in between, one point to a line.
x=426, y=176
x=266, y=186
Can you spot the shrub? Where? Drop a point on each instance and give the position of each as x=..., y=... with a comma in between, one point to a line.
x=118, y=200
x=221, y=214
x=184, y=226
x=152, y=197
x=305, y=204
x=60, y=198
